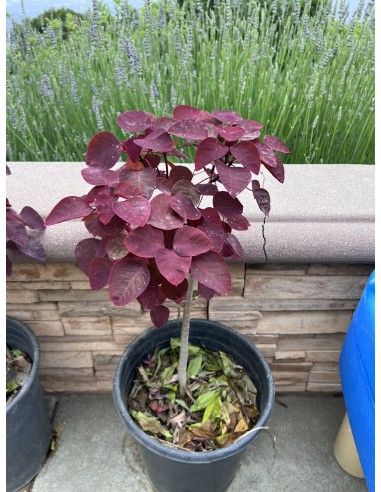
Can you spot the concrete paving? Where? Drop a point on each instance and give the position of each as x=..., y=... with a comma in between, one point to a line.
x=95, y=453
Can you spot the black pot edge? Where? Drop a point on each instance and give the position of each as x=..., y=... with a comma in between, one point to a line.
x=183, y=455
x=32, y=339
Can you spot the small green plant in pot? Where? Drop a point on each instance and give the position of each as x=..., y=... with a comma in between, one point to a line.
x=159, y=227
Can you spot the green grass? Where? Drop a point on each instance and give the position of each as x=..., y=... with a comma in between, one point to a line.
x=308, y=79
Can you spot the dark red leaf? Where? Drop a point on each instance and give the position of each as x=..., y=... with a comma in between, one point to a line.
x=153, y=160
x=164, y=123
x=127, y=190
x=71, y=207
x=158, y=141
x=205, y=291
x=263, y=199
x=252, y=131
x=85, y=251
x=131, y=149
x=183, y=205
x=215, y=234
x=235, y=179
x=151, y=297
x=211, y=216
x=178, y=154
x=226, y=205
x=174, y=293
x=135, y=210
x=267, y=155
x=206, y=117
x=159, y=316
x=144, y=180
x=180, y=173
x=239, y=223
x=94, y=192
x=162, y=216
x=228, y=117
x=115, y=248
x=164, y=185
x=32, y=218
x=232, y=240
x=98, y=176
x=209, y=150
x=135, y=121
x=207, y=189
x=230, y=133
x=103, y=150
x=187, y=188
x=104, y=203
x=144, y=241
x=172, y=266
x=211, y=270
x=278, y=171
x=185, y=112
x=189, y=129
x=99, y=272
x=276, y=144
x=248, y=155
x=7, y=170
x=189, y=241
x=128, y=279
x=255, y=125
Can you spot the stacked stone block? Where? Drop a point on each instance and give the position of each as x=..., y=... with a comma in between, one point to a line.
x=297, y=315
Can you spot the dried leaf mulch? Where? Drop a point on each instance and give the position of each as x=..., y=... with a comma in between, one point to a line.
x=19, y=366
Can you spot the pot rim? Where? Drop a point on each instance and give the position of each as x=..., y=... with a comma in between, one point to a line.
x=31, y=339
x=178, y=454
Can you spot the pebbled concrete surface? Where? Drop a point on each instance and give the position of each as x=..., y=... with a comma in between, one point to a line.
x=95, y=453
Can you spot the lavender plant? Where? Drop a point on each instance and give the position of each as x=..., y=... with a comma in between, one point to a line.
x=308, y=78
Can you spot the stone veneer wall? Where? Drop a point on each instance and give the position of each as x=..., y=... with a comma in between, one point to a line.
x=296, y=314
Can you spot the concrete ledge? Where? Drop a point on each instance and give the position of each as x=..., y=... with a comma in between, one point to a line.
x=322, y=213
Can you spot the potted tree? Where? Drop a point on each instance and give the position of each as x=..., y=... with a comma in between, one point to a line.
x=28, y=424
x=159, y=227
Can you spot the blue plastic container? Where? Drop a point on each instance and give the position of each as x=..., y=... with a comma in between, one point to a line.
x=357, y=370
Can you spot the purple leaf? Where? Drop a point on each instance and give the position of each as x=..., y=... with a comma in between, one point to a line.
x=251, y=131
x=94, y=192
x=209, y=150
x=99, y=272
x=85, y=251
x=207, y=189
x=98, y=176
x=205, y=291
x=235, y=179
x=32, y=218
x=185, y=112
x=115, y=248
x=164, y=123
x=228, y=117
x=189, y=129
x=128, y=279
x=254, y=125
x=144, y=241
x=183, y=205
x=211, y=270
x=144, y=180
x=103, y=150
x=180, y=173
x=211, y=216
x=267, y=155
x=7, y=170
x=186, y=188
x=151, y=297
x=159, y=316
x=162, y=216
x=178, y=154
x=33, y=248
x=135, y=121
x=8, y=270
x=96, y=228
x=175, y=293
x=239, y=223
x=276, y=144
x=215, y=234
x=131, y=149
x=135, y=210
x=234, y=243
x=230, y=133
x=263, y=199
x=172, y=266
x=278, y=171
x=153, y=160
x=248, y=155
x=206, y=117
x=104, y=204
x=226, y=205
x=127, y=190
x=189, y=241
x=158, y=141
x=71, y=207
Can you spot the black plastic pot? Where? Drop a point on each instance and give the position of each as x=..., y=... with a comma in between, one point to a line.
x=174, y=470
x=28, y=425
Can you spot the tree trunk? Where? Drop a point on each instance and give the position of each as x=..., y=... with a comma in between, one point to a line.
x=183, y=360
